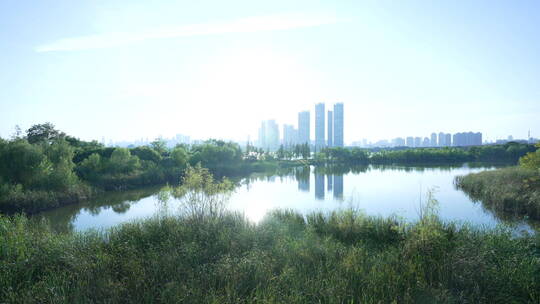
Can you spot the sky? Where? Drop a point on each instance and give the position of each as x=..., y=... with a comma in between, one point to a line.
x=131, y=69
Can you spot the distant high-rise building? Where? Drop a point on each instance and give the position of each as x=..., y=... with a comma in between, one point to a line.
x=269, y=135
x=319, y=126
x=398, y=142
x=303, y=128
x=442, y=139
x=447, y=140
x=338, y=125
x=477, y=141
x=262, y=135
x=457, y=140
x=410, y=141
x=330, y=136
x=425, y=142
x=463, y=139
x=290, y=135
x=417, y=142
x=433, y=141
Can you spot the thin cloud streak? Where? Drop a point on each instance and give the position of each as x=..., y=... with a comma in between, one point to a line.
x=243, y=25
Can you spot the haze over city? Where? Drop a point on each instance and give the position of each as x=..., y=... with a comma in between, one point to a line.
x=130, y=69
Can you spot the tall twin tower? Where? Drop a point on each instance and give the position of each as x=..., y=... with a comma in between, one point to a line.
x=324, y=137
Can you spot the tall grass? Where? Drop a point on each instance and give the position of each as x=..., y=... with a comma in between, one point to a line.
x=340, y=257
x=512, y=190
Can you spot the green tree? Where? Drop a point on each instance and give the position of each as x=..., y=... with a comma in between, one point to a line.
x=43, y=133
x=91, y=167
x=180, y=157
x=159, y=145
x=531, y=160
x=23, y=163
x=281, y=152
x=122, y=161
x=147, y=153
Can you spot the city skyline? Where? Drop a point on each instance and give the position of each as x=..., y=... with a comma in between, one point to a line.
x=327, y=133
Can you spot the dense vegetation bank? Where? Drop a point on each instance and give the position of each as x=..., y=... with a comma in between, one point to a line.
x=508, y=153
x=512, y=191
x=46, y=168
x=222, y=258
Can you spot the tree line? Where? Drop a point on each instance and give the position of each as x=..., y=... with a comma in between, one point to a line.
x=45, y=168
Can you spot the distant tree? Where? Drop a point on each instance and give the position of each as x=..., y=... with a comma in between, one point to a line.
x=159, y=145
x=180, y=157
x=281, y=152
x=83, y=145
x=147, y=153
x=18, y=133
x=43, y=133
x=305, y=151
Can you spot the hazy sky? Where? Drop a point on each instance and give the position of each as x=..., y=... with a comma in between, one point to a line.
x=128, y=69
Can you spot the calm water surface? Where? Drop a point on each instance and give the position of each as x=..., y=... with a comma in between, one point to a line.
x=384, y=191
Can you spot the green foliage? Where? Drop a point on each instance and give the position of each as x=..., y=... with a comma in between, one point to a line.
x=147, y=153
x=509, y=191
x=180, y=157
x=218, y=156
x=23, y=163
x=122, y=162
x=159, y=146
x=531, y=160
x=43, y=133
x=510, y=152
x=200, y=195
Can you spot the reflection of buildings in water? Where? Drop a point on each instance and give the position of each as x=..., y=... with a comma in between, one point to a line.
x=338, y=186
x=303, y=185
x=329, y=182
x=319, y=186
x=302, y=175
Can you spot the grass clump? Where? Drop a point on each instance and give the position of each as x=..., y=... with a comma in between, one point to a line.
x=336, y=258
x=508, y=191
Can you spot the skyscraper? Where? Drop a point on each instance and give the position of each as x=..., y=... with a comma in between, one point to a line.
x=319, y=126
x=262, y=135
x=338, y=125
x=290, y=135
x=447, y=140
x=269, y=135
x=433, y=141
x=330, y=129
x=467, y=139
x=303, y=128
x=442, y=139
x=410, y=141
x=417, y=142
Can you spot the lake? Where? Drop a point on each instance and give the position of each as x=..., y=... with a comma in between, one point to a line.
x=376, y=190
